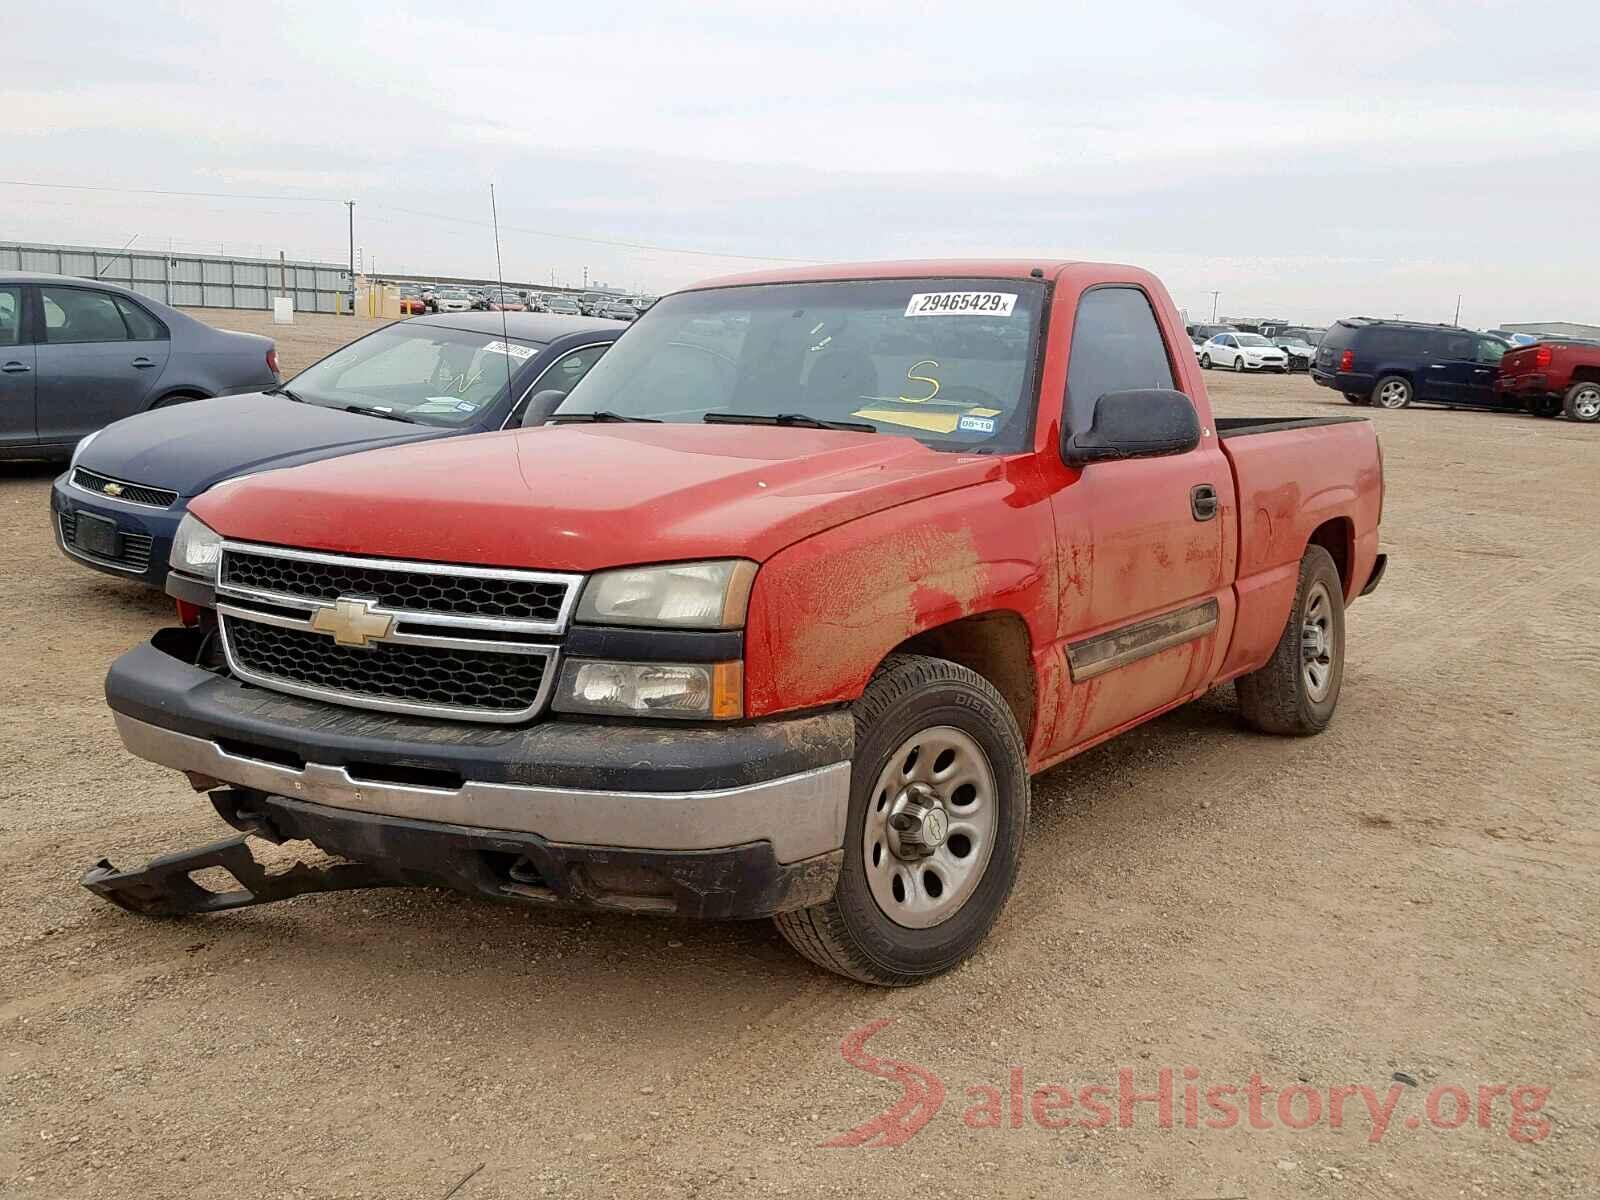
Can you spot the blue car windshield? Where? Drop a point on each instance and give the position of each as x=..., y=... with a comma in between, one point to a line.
x=421, y=373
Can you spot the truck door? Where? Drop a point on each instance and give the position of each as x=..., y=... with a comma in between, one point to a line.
x=1147, y=545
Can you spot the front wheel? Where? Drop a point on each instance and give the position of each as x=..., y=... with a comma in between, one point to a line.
x=939, y=797
x=1545, y=406
x=1205, y=361
x=1297, y=690
x=1583, y=402
x=1238, y=364
x=1351, y=398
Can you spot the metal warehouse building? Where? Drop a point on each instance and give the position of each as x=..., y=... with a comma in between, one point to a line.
x=1554, y=329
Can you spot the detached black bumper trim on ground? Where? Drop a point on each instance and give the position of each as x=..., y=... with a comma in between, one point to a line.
x=735, y=882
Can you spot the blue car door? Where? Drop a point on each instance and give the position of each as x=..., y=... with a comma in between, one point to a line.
x=17, y=425
x=94, y=364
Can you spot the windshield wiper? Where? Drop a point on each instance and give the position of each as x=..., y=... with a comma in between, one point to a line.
x=378, y=412
x=798, y=419
x=587, y=418
x=280, y=390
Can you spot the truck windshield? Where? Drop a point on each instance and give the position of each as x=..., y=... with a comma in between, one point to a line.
x=946, y=361
x=426, y=374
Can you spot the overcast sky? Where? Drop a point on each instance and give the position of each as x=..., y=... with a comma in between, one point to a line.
x=1306, y=161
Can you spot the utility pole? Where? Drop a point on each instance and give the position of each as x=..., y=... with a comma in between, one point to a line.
x=1214, y=296
x=1457, y=321
x=351, y=205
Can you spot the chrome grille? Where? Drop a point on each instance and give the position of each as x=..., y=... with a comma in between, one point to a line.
x=133, y=493
x=469, y=682
x=135, y=556
x=523, y=596
x=394, y=635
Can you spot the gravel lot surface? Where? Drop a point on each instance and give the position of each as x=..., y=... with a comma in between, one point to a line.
x=1415, y=891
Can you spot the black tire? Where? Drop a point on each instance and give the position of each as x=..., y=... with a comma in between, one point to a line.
x=1205, y=362
x=1353, y=399
x=1238, y=365
x=1278, y=697
x=1582, y=402
x=1393, y=391
x=850, y=934
x=1544, y=406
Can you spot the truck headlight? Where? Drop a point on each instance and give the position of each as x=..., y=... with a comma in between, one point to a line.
x=698, y=595
x=686, y=691
x=196, y=548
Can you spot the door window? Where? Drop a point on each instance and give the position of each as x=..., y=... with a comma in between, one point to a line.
x=10, y=316
x=80, y=315
x=142, y=327
x=561, y=376
x=1457, y=347
x=1116, y=347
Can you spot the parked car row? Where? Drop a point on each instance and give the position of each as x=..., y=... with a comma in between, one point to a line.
x=1395, y=364
x=746, y=620
x=416, y=298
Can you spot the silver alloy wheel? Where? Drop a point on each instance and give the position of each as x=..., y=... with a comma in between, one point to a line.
x=1394, y=394
x=930, y=827
x=1586, y=404
x=1316, y=642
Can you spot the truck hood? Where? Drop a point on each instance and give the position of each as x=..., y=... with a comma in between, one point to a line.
x=190, y=447
x=580, y=498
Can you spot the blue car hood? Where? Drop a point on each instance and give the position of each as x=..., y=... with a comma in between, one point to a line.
x=190, y=447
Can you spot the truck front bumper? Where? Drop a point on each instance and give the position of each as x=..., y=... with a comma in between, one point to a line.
x=703, y=821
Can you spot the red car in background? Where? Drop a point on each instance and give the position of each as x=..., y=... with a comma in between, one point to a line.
x=1554, y=377
x=507, y=301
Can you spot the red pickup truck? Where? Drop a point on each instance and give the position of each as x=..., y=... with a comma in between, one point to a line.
x=776, y=614
x=1554, y=377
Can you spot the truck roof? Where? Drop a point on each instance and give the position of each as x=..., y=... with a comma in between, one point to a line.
x=917, y=268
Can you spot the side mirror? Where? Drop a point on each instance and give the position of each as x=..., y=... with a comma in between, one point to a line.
x=1139, y=424
x=541, y=407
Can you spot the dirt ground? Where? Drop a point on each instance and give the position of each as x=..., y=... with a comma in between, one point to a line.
x=1413, y=892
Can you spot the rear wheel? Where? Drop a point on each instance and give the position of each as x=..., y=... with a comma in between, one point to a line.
x=1297, y=690
x=1392, y=392
x=178, y=398
x=938, y=808
x=1583, y=402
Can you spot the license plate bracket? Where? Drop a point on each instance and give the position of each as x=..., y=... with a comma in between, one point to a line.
x=97, y=536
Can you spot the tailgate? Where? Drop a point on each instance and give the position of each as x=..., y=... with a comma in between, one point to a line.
x=1522, y=361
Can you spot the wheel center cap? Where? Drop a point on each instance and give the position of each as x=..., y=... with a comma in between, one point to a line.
x=918, y=824
x=1314, y=642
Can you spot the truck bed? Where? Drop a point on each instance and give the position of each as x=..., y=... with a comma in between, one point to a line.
x=1232, y=427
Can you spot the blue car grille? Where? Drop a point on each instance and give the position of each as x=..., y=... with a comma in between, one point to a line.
x=121, y=489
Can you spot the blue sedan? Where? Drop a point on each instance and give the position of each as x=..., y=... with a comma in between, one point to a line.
x=77, y=354
x=127, y=487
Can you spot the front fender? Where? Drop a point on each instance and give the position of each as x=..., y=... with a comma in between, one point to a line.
x=827, y=610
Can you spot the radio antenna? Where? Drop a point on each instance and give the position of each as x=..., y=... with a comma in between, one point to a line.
x=500, y=284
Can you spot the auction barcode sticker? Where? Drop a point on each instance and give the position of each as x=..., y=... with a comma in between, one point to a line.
x=511, y=348
x=961, y=304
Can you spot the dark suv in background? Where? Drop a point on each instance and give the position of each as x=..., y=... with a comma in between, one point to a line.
x=1393, y=364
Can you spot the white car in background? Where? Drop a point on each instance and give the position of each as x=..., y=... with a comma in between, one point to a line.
x=1243, y=352
x=454, y=300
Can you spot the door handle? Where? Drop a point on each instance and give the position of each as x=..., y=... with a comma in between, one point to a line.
x=1203, y=501
x=142, y=362
x=15, y=368
x=1436, y=366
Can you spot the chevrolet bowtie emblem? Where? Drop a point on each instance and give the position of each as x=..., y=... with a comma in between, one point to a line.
x=352, y=622
x=112, y=489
